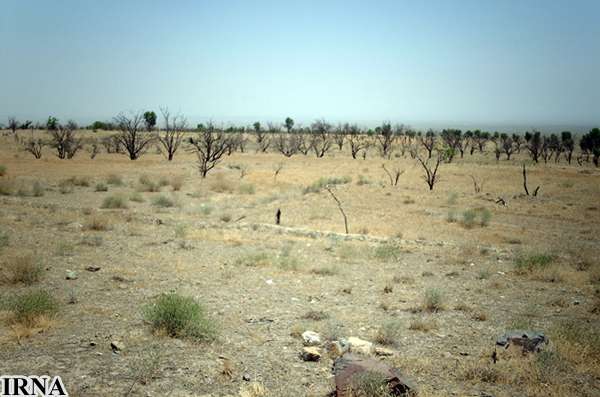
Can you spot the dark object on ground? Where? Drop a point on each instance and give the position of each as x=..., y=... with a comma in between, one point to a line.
x=92, y=268
x=278, y=217
x=529, y=341
x=349, y=367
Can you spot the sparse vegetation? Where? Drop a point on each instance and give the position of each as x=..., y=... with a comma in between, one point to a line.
x=527, y=263
x=433, y=300
x=179, y=316
x=114, y=202
x=101, y=187
x=388, y=332
x=22, y=269
x=321, y=183
x=163, y=202
x=27, y=308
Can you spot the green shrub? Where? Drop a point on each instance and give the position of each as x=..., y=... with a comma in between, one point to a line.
x=321, y=183
x=101, y=187
x=179, y=316
x=527, y=263
x=469, y=217
x=66, y=186
x=114, y=202
x=369, y=384
x=485, y=217
x=388, y=333
x=65, y=249
x=363, y=180
x=114, y=180
x=147, y=185
x=325, y=271
x=433, y=300
x=387, y=251
x=163, y=202
x=2, y=170
x=254, y=260
x=206, y=209
x=3, y=239
x=29, y=306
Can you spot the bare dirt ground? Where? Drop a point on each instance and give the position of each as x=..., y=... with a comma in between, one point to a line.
x=258, y=281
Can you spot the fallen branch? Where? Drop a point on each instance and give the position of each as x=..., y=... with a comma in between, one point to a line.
x=339, y=204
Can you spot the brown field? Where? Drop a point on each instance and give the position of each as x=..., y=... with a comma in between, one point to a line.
x=257, y=281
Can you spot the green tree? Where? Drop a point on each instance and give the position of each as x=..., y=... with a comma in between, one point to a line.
x=289, y=124
x=150, y=120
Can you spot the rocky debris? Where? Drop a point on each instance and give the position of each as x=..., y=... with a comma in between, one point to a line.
x=357, y=345
x=311, y=353
x=71, y=275
x=117, y=346
x=350, y=368
x=92, y=268
x=336, y=349
x=529, y=341
x=311, y=338
x=384, y=352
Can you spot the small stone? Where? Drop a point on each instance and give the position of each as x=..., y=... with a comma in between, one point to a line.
x=311, y=338
x=246, y=377
x=117, y=346
x=358, y=345
x=311, y=354
x=336, y=349
x=384, y=352
x=71, y=275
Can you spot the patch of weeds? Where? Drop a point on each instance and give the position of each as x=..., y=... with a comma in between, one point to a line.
x=66, y=186
x=422, y=324
x=221, y=184
x=451, y=216
x=2, y=170
x=136, y=197
x=479, y=316
x=163, y=181
x=114, y=202
x=80, y=181
x=408, y=200
x=247, y=188
x=176, y=183
x=470, y=217
x=315, y=315
x=97, y=223
x=114, y=180
x=101, y=187
x=145, y=184
x=388, y=332
x=254, y=260
x=363, y=180
x=403, y=280
x=325, y=271
x=482, y=372
x=462, y=307
x=23, y=269
x=92, y=241
x=527, y=263
x=180, y=231
x=28, y=307
x=4, y=239
x=321, y=183
x=179, y=316
x=65, y=249
x=433, y=301
x=163, y=202
x=388, y=251
x=483, y=274
x=286, y=261
x=369, y=384
x=146, y=367
x=206, y=209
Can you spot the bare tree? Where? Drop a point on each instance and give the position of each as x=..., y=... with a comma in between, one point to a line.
x=13, y=124
x=210, y=146
x=428, y=142
x=386, y=137
x=320, y=141
x=172, y=135
x=394, y=176
x=263, y=140
x=276, y=170
x=64, y=140
x=111, y=144
x=339, y=204
x=339, y=135
x=534, y=144
x=287, y=144
x=507, y=145
x=132, y=135
x=34, y=145
x=477, y=186
x=357, y=140
x=431, y=175
x=535, y=192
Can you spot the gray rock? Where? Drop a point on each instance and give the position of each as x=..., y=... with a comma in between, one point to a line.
x=311, y=338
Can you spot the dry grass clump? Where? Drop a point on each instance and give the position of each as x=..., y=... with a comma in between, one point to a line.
x=255, y=260
x=246, y=188
x=179, y=316
x=163, y=202
x=114, y=180
x=2, y=170
x=66, y=186
x=220, y=184
x=388, y=333
x=528, y=263
x=369, y=384
x=114, y=202
x=101, y=187
x=423, y=324
x=97, y=223
x=325, y=271
x=315, y=315
x=388, y=251
x=7, y=187
x=433, y=300
x=22, y=269
x=136, y=197
x=4, y=239
x=145, y=184
x=176, y=183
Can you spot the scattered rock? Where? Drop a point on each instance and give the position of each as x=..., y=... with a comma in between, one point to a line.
x=92, y=268
x=336, y=349
x=311, y=354
x=117, y=346
x=350, y=368
x=530, y=341
x=311, y=338
x=383, y=351
x=246, y=378
x=357, y=345
x=71, y=275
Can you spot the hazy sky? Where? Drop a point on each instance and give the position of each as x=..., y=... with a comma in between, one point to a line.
x=520, y=62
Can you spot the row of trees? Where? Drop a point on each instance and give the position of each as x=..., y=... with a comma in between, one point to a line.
x=139, y=131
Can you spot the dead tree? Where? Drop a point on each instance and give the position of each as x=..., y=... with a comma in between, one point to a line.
x=428, y=142
x=132, y=136
x=395, y=176
x=173, y=131
x=431, y=175
x=339, y=204
x=339, y=136
x=13, y=124
x=263, y=140
x=34, y=146
x=386, y=136
x=63, y=139
x=320, y=140
x=357, y=140
x=535, y=192
x=210, y=146
x=276, y=170
x=287, y=143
